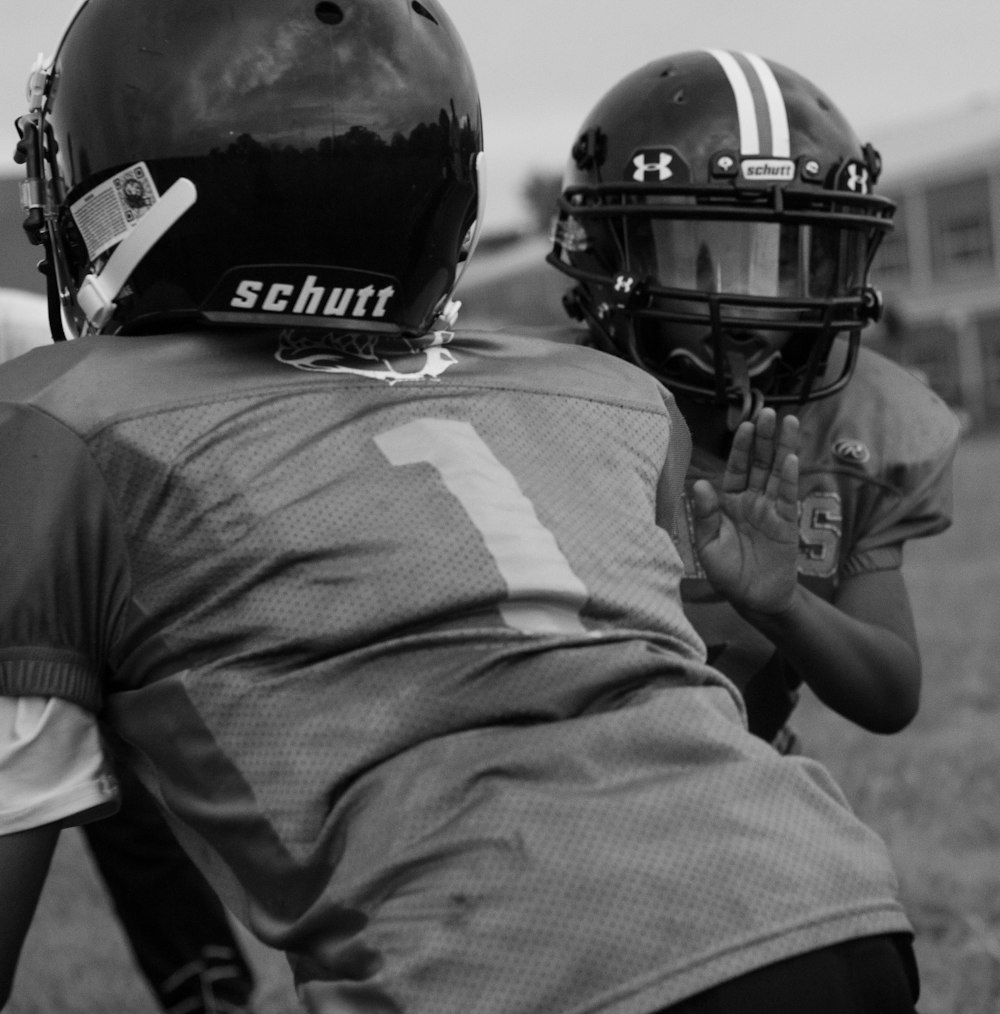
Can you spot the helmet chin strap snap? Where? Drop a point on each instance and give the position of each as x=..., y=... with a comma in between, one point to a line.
x=97, y=293
x=751, y=401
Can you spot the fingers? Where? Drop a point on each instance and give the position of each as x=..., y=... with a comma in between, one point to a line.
x=786, y=494
x=734, y=478
x=707, y=517
x=763, y=459
x=759, y=452
x=786, y=447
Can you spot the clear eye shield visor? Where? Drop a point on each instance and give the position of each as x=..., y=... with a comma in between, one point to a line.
x=710, y=288
x=685, y=248
x=746, y=258
x=775, y=252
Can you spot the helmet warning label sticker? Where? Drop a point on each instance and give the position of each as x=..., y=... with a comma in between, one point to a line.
x=109, y=212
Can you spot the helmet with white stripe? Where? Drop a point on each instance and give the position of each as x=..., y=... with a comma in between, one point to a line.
x=718, y=220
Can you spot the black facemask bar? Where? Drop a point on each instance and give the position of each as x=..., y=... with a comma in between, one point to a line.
x=618, y=308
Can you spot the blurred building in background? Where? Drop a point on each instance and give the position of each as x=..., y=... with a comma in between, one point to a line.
x=939, y=270
x=18, y=258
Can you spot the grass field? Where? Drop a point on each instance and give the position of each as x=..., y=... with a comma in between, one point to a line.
x=933, y=792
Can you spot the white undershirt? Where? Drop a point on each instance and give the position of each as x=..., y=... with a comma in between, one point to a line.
x=53, y=767
x=24, y=323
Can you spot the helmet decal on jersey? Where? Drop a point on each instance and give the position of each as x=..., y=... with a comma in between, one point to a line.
x=852, y=451
x=760, y=107
x=397, y=360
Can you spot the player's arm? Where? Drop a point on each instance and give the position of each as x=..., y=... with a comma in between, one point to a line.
x=859, y=654
x=53, y=773
x=24, y=863
x=56, y=519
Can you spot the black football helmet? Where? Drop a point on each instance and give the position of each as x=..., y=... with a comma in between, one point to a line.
x=718, y=219
x=286, y=163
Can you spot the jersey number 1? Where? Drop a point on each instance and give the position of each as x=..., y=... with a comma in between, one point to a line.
x=545, y=595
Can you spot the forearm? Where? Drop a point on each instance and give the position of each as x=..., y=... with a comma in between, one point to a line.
x=52, y=772
x=24, y=862
x=865, y=672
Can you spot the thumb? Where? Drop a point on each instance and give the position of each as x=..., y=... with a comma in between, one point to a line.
x=706, y=511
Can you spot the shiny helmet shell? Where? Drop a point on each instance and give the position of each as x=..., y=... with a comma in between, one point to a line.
x=329, y=154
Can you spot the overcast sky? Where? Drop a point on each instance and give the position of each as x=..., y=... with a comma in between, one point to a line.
x=542, y=64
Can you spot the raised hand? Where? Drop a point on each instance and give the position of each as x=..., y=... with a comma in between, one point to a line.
x=746, y=533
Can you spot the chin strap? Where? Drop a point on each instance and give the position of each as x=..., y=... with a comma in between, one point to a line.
x=751, y=400
x=97, y=294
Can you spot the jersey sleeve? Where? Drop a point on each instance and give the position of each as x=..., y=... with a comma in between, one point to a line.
x=915, y=484
x=670, y=492
x=53, y=768
x=63, y=564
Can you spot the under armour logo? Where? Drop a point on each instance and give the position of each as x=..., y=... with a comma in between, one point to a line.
x=646, y=169
x=624, y=284
x=858, y=180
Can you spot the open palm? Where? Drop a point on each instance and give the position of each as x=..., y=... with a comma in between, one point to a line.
x=746, y=533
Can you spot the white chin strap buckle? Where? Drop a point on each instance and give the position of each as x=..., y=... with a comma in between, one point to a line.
x=97, y=294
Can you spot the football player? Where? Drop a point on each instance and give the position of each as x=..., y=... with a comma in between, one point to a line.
x=414, y=688
x=719, y=219
x=173, y=921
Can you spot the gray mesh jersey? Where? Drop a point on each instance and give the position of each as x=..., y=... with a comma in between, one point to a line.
x=405, y=662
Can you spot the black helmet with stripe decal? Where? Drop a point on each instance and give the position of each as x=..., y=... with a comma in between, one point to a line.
x=718, y=219
x=285, y=163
